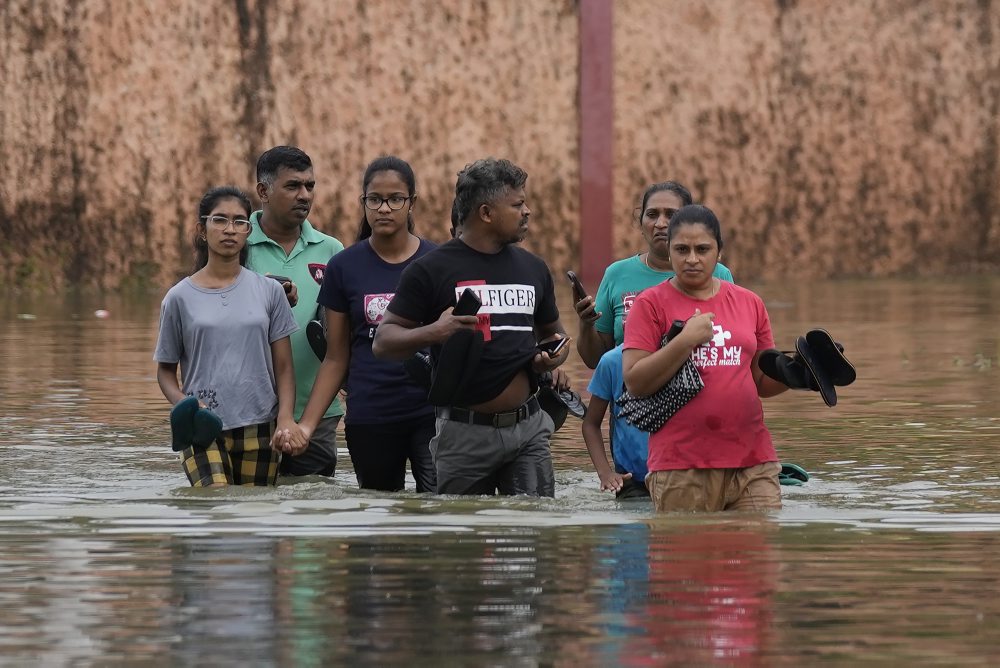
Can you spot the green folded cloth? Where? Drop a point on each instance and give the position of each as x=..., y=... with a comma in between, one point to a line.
x=207, y=427
x=792, y=474
x=193, y=426
x=182, y=423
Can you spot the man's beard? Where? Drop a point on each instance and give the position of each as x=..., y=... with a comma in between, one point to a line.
x=522, y=232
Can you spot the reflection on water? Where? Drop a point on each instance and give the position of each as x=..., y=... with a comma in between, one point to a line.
x=106, y=556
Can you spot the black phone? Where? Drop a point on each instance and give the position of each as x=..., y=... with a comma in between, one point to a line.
x=553, y=347
x=468, y=303
x=675, y=328
x=280, y=279
x=579, y=292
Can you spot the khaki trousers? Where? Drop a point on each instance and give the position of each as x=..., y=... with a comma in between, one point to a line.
x=711, y=490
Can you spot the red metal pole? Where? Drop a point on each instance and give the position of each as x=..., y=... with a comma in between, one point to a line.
x=596, y=139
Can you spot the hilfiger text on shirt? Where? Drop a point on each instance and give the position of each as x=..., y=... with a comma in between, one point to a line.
x=502, y=298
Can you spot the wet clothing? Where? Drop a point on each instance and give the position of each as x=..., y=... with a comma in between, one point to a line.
x=240, y=456
x=477, y=453
x=515, y=288
x=629, y=445
x=388, y=418
x=482, y=459
x=722, y=427
x=623, y=281
x=221, y=338
x=361, y=284
x=753, y=488
x=379, y=453
x=305, y=266
x=320, y=457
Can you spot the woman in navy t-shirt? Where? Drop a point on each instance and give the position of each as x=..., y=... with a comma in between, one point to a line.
x=388, y=419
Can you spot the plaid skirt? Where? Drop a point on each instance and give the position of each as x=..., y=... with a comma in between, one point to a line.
x=240, y=456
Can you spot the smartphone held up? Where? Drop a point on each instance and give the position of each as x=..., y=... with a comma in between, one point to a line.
x=468, y=303
x=579, y=292
x=552, y=347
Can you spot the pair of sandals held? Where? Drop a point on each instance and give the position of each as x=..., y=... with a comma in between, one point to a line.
x=193, y=426
x=817, y=363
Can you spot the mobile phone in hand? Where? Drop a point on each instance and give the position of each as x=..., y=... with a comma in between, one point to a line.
x=468, y=303
x=675, y=328
x=280, y=279
x=553, y=347
x=579, y=292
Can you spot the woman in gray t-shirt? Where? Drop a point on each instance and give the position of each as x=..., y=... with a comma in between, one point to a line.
x=227, y=329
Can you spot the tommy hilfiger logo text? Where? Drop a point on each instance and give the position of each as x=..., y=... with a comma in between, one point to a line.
x=505, y=298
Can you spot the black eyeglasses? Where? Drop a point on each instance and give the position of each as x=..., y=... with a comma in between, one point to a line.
x=374, y=202
x=219, y=222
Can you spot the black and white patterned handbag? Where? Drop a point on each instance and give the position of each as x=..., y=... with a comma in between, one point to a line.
x=651, y=412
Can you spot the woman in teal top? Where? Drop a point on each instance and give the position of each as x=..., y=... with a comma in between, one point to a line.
x=602, y=321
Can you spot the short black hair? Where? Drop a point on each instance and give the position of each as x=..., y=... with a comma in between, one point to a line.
x=485, y=181
x=456, y=222
x=273, y=159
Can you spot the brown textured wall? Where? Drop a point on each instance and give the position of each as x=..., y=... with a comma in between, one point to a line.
x=832, y=138
x=118, y=115
x=849, y=138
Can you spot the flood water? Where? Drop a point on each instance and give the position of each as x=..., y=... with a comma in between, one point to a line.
x=889, y=554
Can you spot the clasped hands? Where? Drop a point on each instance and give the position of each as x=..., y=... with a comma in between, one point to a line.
x=290, y=438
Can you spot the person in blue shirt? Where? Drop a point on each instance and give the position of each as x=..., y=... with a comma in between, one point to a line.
x=629, y=445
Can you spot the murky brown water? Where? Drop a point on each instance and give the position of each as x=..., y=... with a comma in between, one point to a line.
x=887, y=555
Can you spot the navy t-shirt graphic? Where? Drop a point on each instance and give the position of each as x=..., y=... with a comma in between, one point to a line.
x=361, y=284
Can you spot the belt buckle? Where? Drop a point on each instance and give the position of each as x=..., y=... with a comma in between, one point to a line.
x=503, y=420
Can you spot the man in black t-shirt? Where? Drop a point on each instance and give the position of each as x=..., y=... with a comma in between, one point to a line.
x=493, y=435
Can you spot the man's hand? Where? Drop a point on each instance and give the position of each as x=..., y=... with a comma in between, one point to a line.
x=545, y=362
x=560, y=381
x=292, y=293
x=448, y=323
x=586, y=311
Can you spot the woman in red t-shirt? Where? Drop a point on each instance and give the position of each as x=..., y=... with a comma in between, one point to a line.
x=715, y=452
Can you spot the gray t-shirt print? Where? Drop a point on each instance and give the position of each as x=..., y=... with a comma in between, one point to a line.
x=222, y=342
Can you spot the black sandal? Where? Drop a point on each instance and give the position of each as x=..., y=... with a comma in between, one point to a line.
x=817, y=370
x=316, y=336
x=787, y=369
x=831, y=357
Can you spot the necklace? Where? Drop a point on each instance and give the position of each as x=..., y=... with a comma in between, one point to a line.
x=645, y=261
x=716, y=285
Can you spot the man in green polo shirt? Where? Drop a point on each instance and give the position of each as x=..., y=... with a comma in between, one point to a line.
x=283, y=243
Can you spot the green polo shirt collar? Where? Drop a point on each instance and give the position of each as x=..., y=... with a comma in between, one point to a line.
x=307, y=235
